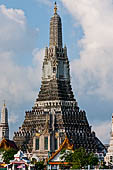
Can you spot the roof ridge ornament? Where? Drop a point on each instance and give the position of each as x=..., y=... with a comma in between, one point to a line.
x=55, y=8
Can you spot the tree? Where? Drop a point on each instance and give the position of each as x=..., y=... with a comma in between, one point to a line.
x=39, y=165
x=66, y=155
x=92, y=159
x=79, y=158
x=8, y=155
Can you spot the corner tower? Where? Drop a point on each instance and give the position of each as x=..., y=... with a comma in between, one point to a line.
x=55, y=113
x=4, y=128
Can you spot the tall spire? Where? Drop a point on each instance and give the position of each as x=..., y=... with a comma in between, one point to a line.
x=55, y=29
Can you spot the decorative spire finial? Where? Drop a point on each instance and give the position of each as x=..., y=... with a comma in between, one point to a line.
x=4, y=103
x=55, y=8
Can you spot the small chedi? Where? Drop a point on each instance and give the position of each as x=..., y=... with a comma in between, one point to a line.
x=55, y=113
x=5, y=143
x=109, y=155
x=4, y=127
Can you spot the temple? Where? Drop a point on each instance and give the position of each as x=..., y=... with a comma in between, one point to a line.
x=55, y=113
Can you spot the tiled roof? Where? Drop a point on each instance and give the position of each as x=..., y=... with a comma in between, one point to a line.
x=7, y=144
x=66, y=144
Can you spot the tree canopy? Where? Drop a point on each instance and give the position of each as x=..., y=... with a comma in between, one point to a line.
x=40, y=165
x=79, y=158
x=8, y=155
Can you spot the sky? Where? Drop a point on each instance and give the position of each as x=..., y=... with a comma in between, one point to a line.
x=88, y=35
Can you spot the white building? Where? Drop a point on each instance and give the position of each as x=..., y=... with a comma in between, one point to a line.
x=4, y=128
x=20, y=162
x=109, y=155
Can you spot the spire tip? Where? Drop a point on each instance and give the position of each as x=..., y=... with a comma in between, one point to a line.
x=4, y=103
x=55, y=8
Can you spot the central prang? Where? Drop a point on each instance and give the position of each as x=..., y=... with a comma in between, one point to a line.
x=55, y=115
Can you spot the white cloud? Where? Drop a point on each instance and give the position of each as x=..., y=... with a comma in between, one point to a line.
x=15, y=37
x=92, y=72
x=18, y=84
x=16, y=15
x=13, y=118
x=103, y=130
x=15, y=33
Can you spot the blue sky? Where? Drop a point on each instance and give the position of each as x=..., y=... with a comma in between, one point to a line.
x=38, y=15
x=87, y=32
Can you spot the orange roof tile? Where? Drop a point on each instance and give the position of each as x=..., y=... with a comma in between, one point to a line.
x=7, y=144
x=66, y=144
x=59, y=163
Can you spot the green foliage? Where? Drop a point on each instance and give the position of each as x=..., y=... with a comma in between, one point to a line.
x=92, y=159
x=39, y=165
x=79, y=158
x=2, y=150
x=104, y=166
x=33, y=161
x=66, y=155
x=8, y=155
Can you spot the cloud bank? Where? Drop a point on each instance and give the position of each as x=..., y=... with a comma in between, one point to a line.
x=18, y=84
x=103, y=130
x=15, y=34
x=93, y=70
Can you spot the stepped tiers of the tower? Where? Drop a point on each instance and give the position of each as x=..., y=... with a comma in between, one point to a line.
x=55, y=113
